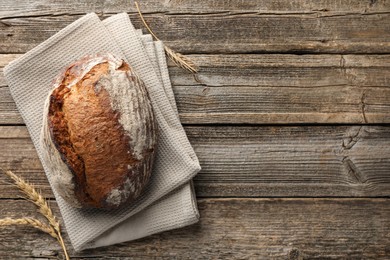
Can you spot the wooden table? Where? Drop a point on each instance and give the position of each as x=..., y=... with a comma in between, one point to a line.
x=289, y=116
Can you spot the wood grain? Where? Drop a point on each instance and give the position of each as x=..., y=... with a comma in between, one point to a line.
x=257, y=161
x=237, y=228
x=228, y=32
x=12, y=8
x=270, y=89
x=270, y=186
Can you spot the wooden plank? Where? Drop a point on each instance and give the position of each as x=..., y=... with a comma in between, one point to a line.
x=292, y=161
x=12, y=8
x=261, y=161
x=270, y=89
x=228, y=32
x=237, y=228
x=8, y=111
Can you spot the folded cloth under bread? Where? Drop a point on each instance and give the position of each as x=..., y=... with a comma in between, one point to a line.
x=168, y=201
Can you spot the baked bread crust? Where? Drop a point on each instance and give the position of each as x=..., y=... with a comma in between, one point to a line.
x=99, y=133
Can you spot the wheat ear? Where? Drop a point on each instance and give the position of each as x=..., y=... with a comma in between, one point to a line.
x=179, y=59
x=29, y=222
x=35, y=197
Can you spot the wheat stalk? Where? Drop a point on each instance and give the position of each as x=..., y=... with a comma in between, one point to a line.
x=179, y=59
x=35, y=197
x=43, y=207
x=28, y=222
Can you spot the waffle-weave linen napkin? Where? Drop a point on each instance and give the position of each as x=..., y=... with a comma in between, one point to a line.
x=168, y=201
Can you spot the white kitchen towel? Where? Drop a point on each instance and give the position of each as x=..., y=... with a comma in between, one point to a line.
x=30, y=77
x=179, y=206
x=127, y=39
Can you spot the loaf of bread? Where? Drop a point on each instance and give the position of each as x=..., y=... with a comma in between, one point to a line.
x=99, y=133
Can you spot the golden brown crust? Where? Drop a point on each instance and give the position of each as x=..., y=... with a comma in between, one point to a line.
x=92, y=142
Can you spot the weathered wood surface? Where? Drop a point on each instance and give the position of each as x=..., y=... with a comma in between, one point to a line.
x=289, y=117
x=26, y=8
x=272, y=89
x=258, y=161
x=240, y=229
x=230, y=27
